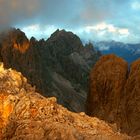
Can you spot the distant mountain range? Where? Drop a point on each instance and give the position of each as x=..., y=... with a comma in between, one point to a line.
x=129, y=52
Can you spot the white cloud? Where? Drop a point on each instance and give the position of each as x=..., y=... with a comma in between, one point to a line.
x=107, y=28
x=105, y=32
x=123, y=31
x=98, y=32
x=31, y=28
x=101, y=26
x=136, y=5
x=37, y=31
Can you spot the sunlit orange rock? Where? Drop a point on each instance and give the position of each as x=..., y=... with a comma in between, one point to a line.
x=16, y=39
x=131, y=101
x=28, y=115
x=114, y=94
x=107, y=80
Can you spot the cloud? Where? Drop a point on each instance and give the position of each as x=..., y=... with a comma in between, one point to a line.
x=95, y=11
x=107, y=32
x=136, y=5
x=41, y=17
x=98, y=32
x=124, y=31
x=103, y=28
x=39, y=32
x=25, y=12
x=16, y=11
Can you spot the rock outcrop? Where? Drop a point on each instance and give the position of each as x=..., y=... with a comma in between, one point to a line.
x=107, y=80
x=131, y=101
x=114, y=94
x=57, y=67
x=25, y=114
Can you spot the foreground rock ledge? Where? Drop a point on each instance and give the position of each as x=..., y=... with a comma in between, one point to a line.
x=26, y=115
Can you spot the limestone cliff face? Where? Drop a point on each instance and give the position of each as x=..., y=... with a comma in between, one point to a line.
x=25, y=114
x=107, y=80
x=131, y=101
x=114, y=93
x=57, y=67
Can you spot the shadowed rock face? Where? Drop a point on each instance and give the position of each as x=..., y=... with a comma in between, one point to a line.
x=114, y=94
x=107, y=80
x=131, y=101
x=25, y=114
x=57, y=67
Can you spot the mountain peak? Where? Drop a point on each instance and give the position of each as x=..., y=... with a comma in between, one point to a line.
x=50, y=64
x=16, y=38
x=66, y=39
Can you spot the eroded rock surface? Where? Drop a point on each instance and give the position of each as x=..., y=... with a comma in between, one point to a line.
x=25, y=114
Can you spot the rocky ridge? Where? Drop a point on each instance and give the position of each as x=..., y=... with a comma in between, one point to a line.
x=114, y=93
x=25, y=114
x=57, y=67
x=129, y=52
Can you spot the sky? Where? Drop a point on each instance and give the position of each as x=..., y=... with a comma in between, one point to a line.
x=91, y=20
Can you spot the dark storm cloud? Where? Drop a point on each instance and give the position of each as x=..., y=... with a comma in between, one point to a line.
x=60, y=12
x=100, y=10
x=70, y=14
x=16, y=11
